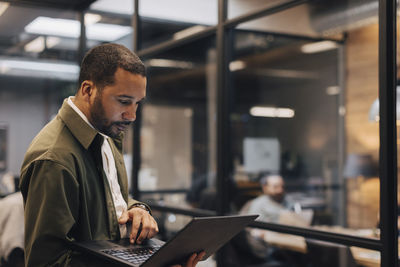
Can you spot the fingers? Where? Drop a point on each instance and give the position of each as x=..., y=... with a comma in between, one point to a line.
x=199, y=257
x=193, y=260
x=153, y=230
x=136, y=221
x=149, y=228
x=143, y=225
x=124, y=218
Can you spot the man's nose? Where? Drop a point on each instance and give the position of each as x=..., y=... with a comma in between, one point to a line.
x=130, y=114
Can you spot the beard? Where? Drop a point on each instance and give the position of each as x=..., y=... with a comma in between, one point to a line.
x=100, y=121
x=278, y=197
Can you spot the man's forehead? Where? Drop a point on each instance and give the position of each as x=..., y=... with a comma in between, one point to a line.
x=274, y=179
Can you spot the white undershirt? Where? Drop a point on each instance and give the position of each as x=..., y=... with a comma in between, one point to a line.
x=109, y=169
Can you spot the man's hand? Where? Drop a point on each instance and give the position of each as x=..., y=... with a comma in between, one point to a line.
x=193, y=260
x=142, y=220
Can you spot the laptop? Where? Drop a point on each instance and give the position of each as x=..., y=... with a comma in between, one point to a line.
x=200, y=234
x=300, y=219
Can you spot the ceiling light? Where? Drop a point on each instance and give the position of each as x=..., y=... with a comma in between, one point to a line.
x=167, y=63
x=272, y=112
x=237, y=65
x=52, y=26
x=91, y=18
x=107, y=32
x=318, y=47
x=3, y=7
x=71, y=28
x=36, y=45
x=333, y=90
x=39, y=69
x=189, y=31
x=39, y=66
x=124, y=7
x=52, y=41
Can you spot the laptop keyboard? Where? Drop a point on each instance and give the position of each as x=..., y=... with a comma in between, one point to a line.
x=133, y=255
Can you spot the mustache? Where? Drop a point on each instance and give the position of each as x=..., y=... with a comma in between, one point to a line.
x=126, y=123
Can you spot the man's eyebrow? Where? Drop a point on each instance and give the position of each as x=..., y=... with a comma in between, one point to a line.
x=126, y=96
x=132, y=97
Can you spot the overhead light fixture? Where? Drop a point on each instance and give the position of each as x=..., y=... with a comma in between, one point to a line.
x=168, y=63
x=71, y=29
x=52, y=41
x=39, y=66
x=38, y=44
x=318, y=47
x=333, y=90
x=122, y=7
x=189, y=31
x=3, y=7
x=272, y=112
x=53, y=26
x=91, y=18
x=237, y=65
x=43, y=69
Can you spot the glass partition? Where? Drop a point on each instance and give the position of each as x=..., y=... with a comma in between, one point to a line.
x=302, y=101
x=285, y=121
x=178, y=125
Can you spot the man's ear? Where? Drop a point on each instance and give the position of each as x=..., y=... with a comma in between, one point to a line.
x=87, y=89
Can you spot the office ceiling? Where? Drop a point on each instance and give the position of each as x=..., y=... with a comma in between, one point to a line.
x=14, y=37
x=60, y=4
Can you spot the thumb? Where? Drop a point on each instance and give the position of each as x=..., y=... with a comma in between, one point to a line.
x=124, y=218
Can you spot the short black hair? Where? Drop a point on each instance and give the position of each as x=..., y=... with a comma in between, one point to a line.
x=101, y=62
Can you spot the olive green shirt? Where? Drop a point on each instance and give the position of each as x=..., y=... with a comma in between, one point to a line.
x=66, y=192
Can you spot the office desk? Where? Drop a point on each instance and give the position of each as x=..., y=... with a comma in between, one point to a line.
x=362, y=256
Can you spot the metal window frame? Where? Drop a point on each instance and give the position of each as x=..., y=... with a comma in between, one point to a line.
x=387, y=244
x=387, y=132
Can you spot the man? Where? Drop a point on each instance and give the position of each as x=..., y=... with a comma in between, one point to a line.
x=73, y=179
x=272, y=202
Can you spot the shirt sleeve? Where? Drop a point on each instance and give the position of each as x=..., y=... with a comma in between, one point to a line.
x=51, y=196
x=132, y=202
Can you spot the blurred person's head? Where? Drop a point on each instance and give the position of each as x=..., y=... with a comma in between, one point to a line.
x=273, y=186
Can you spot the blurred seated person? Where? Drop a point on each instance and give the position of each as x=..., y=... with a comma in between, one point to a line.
x=12, y=230
x=275, y=207
x=273, y=200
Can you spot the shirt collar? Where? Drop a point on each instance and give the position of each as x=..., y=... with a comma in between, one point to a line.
x=81, y=129
x=80, y=113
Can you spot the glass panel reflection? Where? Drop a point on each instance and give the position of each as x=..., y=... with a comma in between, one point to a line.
x=178, y=129
x=304, y=143
x=285, y=122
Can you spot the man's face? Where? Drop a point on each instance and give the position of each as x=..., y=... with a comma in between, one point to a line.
x=275, y=188
x=114, y=108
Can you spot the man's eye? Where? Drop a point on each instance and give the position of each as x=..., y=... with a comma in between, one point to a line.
x=124, y=102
